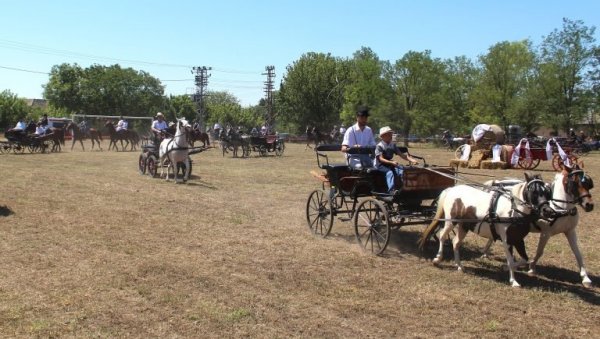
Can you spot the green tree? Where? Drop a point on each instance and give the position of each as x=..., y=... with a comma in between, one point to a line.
x=565, y=58
x=223, y=107
x=458, y=82
x=310, y=92
x=103, y=90
x=505, y=72
x=416, y=80
x=366, y=86
x=12, y=108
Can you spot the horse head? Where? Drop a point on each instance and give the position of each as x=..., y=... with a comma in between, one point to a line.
x=538, y=194
x=577, y=184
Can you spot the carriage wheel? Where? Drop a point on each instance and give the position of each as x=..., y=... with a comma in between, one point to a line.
x=18, y=149
x=557, y=161
x=142, y=166
x=31, y=148
x=279, y=148
x=319, y=213
x=372, y=226
x=262, y=150
x=247, y=150
x=459, y=151
x=152, y=165
x=2, y=147
x=528, y=164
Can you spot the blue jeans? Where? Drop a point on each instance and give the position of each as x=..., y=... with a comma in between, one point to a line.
x=390, y=174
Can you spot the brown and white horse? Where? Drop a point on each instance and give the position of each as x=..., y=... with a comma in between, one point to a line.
x=491, y=214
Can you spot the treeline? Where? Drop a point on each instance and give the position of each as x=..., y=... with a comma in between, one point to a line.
x=555, y=84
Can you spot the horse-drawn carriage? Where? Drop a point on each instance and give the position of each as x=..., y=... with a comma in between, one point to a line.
x=20, y=140
x=264, y=144
x=149, y=159
x=359, y=196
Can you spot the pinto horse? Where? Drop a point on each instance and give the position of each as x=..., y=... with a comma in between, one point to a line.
x=492, y=214
x=79, y=135
x=176, y=150
x=569, y=188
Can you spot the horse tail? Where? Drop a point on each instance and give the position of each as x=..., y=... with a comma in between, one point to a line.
x=428, y=232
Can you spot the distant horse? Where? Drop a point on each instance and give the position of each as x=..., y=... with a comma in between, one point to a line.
x=79, y=135
x=56, y=135
x=233, y=140
x=176, y=150
x=198, y=135
x=491, y=214
x=123, y=135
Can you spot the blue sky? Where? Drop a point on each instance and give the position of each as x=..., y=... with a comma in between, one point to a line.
x=239, y=38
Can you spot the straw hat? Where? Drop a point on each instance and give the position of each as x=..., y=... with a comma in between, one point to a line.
x=385, y=130
x=159, y=114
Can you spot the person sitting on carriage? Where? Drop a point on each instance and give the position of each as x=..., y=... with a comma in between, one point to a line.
x=20, y=126
x=44, y=120
x=39, y=130
x=384, y=159
x=159, y=126
x=359, y=135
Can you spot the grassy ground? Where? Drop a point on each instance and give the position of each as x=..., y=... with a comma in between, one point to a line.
x=93, y=249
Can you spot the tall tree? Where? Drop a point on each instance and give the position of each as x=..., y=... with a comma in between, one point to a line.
x=103, y=90
x=310, y=91
x=416, y=79
x=12, y=108
x=506, y=70
x=565, y=59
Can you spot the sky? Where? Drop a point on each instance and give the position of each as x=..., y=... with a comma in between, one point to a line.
x=239, y=38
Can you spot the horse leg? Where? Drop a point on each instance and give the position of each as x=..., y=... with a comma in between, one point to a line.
x=510, y=261
x=81, y=142
x=448, y=226
x=186, y=176
x=572, y=238
x=456, y=243
x=73, y=144
x=486, y=249
x=544, y=237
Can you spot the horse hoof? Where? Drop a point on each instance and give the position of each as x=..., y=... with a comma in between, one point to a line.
x=531, y=273
x=436, y=261
x=515, y=284
x=587, y=283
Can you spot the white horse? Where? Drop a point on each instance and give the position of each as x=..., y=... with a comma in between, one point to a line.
x=569, y=188
x=176, y=150
x=492, y=213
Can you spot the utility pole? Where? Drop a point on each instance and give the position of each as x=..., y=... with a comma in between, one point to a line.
x=269, y=94
x=201, y=80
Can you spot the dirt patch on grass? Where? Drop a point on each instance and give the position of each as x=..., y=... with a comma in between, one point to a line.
x=92, y=248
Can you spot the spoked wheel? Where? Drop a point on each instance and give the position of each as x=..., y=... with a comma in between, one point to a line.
x=142, y=166
x=372, y=226
x=528, y=164
x=4, y=147
x=459, y=151
x=279, y=148
x=152, y=165
x=18, y=149
x=246, y=151
x=319, y=213
x=32, y=148
x=262, y=150
x=557, y=161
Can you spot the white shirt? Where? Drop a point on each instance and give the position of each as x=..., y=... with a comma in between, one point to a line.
x=217, y=126
x=122, y=124
x=159, y=125
x=39, y=130
x=354, y=136
x=21, y=125
x=342, y=130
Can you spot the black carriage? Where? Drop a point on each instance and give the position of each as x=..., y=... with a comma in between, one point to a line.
x=266, y=144
x=19, y=141
x=360, y=196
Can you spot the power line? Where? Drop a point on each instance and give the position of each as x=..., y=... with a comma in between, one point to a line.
x=23, y=70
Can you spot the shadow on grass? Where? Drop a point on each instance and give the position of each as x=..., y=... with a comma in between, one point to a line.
x=549, y=278
x=5, y=211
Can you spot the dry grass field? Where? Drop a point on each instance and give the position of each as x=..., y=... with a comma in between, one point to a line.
x=91, y=248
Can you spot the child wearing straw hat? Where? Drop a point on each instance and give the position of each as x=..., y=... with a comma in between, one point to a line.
x=384, y=158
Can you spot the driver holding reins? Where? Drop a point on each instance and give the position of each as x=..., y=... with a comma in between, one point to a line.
x=359, y=135
x=159, y=126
